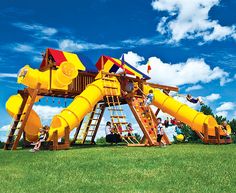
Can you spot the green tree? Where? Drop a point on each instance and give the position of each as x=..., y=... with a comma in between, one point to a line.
x=220, y=119
x=206, y=110
x=232, y=124
x=101, y=140
x=137, y=136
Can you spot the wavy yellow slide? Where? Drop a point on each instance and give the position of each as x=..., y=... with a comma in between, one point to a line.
x=182, y=112
x=81, y=105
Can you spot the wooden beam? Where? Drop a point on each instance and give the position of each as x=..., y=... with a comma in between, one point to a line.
x=164, y=87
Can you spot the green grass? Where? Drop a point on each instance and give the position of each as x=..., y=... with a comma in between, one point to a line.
x=177, y=168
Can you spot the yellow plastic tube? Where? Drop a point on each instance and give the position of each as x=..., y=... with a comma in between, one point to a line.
x=81, y=105
x=33, y=124
x=183, y=112
x=61, y=77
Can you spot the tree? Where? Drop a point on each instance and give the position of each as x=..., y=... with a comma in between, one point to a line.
x=206, y=110
x=101, y=140
x=232, y=124
x=220, y=119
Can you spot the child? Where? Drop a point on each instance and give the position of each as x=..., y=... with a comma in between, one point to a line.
x=194, y=100
x=43, y=132
x=129, y=129
x=119, y=129
x=160, y=131
x=149, y=98
x=109, y=133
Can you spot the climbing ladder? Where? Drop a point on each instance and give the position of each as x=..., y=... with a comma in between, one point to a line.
x=88, y=129
x=20, y=119
x=118, y=118
x=146, y=120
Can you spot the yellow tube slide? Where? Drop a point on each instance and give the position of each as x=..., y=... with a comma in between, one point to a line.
x=182, y=112
x=81, y=105
x=61, y=77
x=33, y=124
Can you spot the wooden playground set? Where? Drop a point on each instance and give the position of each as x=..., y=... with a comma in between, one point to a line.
x=67, y=75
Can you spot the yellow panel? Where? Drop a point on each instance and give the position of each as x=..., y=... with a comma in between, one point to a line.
x=73, y=58
x=108, y=65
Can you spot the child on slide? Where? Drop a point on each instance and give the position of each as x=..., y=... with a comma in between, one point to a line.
x=43, y=134
x=194, y=100
x=149, y=98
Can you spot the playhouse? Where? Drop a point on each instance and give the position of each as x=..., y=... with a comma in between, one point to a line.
x=94, y=88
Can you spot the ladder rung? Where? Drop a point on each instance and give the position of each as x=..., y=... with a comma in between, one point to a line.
x=93, y=124
x=118, y=116
x=115, y=109
x=97, y=113
x=91, y=130
x=122, y=123
x=89, y=135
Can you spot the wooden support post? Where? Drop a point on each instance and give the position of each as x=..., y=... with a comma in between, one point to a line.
x=55, y=140
x=206, y=137
x=217, y=132
x=65, y=145
x=67, y=136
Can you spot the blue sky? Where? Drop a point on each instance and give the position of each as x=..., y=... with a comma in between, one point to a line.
x=188, y=44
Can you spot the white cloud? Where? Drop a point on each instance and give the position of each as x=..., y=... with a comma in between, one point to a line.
x=193, y=71
x=190, y=19
x=133, y=58
x=22, y=47
x=70, y=45
x=194, y=87
x=154, y=40
x=212, y=97
x=5, y=128
x=36, y=28
x=222, y=113
x=226, y=106
x=8, y=75
x=46, y=113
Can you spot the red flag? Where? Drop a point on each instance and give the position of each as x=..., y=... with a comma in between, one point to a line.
x=148, y=67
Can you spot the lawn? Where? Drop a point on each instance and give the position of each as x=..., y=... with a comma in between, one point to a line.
x=177, y=168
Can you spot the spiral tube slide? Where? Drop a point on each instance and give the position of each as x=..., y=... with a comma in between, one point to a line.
x=33, y=123
x=182, y=112
x=61, y=78
x=80, y=106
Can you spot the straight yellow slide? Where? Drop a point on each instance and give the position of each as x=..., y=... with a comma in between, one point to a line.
x=182, y=112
